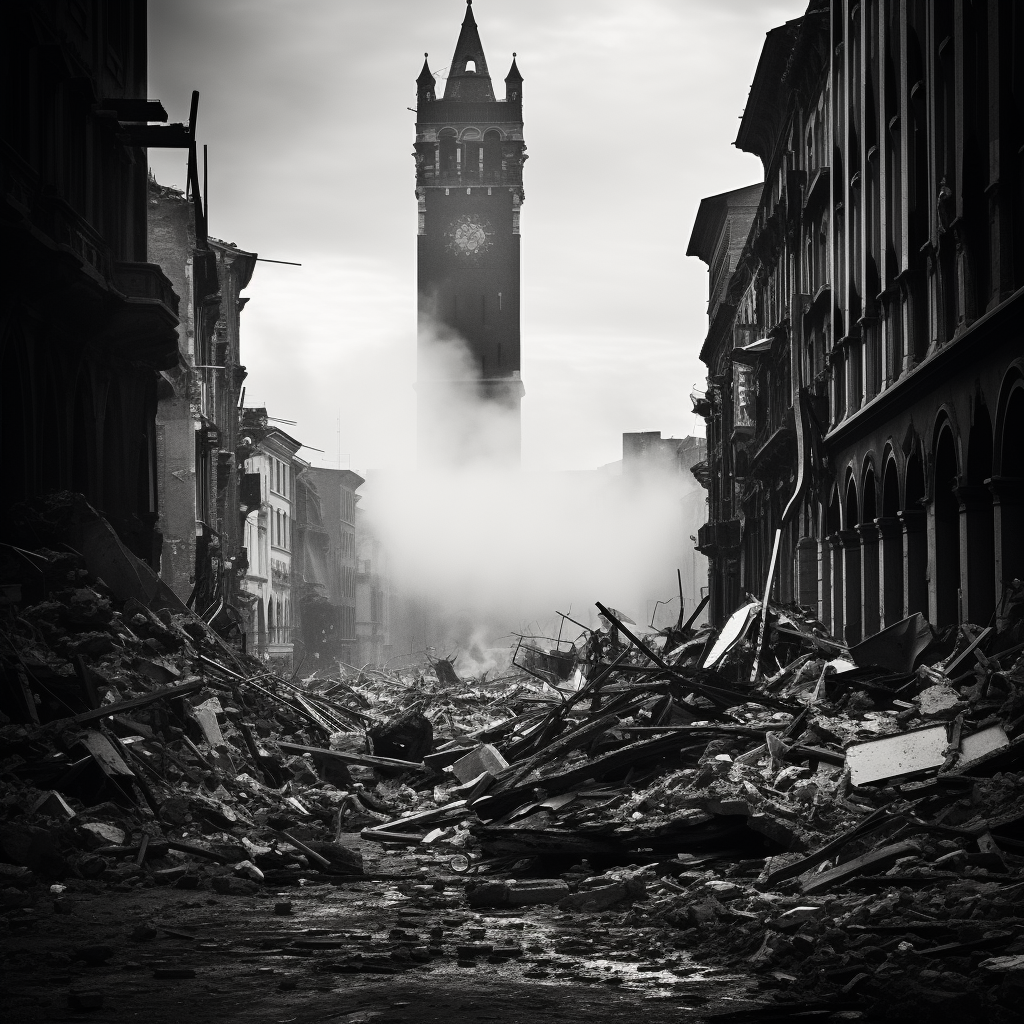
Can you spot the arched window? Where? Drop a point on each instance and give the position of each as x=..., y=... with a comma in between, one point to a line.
x=947, y=530
x=470, y=67
x=852, y=514
x=492, y=155
x=448, y=150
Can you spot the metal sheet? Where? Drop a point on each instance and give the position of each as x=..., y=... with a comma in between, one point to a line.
x=897, y=755
x=897, y=646
x=984, y=742
x=732, y=632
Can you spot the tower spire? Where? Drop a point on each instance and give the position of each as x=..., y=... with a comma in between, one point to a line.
x=468, y=78
x=513, y=83
x=425, y=83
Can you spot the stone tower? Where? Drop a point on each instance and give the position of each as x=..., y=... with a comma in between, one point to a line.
x=469, y=188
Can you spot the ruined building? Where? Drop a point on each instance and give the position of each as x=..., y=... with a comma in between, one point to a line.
x=865, y=356
x=201, y=556
x=324, y=566
x=469, y=189
x=86, y=322
x=375, y=600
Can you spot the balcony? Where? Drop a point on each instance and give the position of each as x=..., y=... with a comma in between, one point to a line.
x=720, y=538
x=818, y=190
x=775, y=453
x=144, y=327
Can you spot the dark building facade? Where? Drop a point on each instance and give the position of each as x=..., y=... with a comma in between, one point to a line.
x=469, y=189
x=324, y=566
x=86, y=322
x=865, y=352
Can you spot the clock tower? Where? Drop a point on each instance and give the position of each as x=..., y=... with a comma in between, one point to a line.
x=469, y=189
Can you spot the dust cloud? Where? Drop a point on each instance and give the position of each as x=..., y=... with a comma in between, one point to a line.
x=479, y=551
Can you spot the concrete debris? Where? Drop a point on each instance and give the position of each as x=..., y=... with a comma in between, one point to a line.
x=838, y=824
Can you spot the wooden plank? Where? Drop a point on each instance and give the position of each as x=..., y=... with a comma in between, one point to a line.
x=423, y=817
x=105, y=754
x=308, y=851
x=564, y=744
x=491, y=806
x=166, y=693
x=867, y=864
x=347, y=757
x=411, y=838
x=874, y=820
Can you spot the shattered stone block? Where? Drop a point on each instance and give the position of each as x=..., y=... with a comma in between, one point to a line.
x=95, y=834
x=229, y=885
x=940, y=701
x=594, y=900
x=483, y=758
x=53, y=805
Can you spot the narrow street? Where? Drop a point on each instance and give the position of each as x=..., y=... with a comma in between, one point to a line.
x=346, y=953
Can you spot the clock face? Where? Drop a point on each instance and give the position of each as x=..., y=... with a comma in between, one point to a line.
x=469, y=236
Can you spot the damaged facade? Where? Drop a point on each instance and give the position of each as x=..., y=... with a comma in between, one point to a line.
x=202, y=554
x=866, y=385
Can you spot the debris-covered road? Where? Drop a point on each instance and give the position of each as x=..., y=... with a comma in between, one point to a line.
x=343, y=952
x=754, y=825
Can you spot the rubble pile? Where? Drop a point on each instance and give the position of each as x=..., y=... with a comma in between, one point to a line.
x=846, y=823
x=137, y=747
x=851, y=828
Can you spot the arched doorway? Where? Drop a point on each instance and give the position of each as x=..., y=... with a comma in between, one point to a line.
x=890, y=549
x=946, y=518
x=850, y=541
x=871, y=603
x=1008, y=490
x=833, y=520
x=915, y=538
x=977, y=524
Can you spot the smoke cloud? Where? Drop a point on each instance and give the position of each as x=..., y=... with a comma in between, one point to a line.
x=478, y=551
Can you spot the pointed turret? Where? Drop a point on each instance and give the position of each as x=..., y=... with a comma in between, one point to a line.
x=468, y=78
x=513, y=83
x=425, y=84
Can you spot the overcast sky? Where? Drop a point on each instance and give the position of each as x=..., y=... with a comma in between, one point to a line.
x=630, y=107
